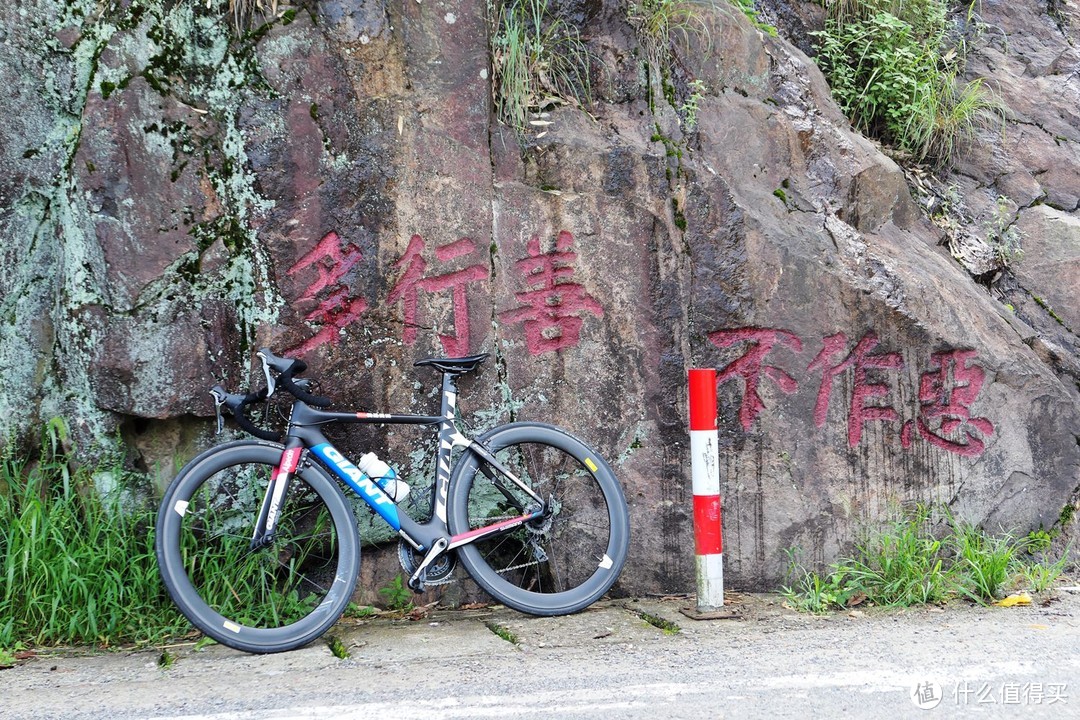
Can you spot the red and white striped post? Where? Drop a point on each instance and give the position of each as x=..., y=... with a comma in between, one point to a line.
x=705, y=470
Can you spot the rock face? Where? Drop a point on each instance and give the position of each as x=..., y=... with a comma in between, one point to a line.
x=334, y=185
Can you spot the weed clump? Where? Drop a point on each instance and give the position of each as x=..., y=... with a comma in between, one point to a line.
x=78, y=565
x=922, y=559
x=538, y=60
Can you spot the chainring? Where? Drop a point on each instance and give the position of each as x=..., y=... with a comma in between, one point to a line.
x=439, y=572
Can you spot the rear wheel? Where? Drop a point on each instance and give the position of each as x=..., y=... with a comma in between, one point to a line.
x=267, y=599
x=561, y=562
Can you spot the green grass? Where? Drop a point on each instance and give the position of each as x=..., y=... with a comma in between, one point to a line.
x=662, y=23
x=895, y=68
x=75, y=568
x=983, y=564
x=923, y=558
x=538, y=60
x=900, y=565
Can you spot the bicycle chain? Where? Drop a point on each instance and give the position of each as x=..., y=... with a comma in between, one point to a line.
x=534, y=547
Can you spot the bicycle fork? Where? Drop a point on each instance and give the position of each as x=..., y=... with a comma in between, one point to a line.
x=266, y=525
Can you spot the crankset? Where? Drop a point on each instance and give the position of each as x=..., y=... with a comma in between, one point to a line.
x=439, y=572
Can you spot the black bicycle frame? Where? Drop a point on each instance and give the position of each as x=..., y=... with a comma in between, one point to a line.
x=431, y=537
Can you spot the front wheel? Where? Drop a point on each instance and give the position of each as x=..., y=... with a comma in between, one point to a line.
x=269, y=598
x=559, y=563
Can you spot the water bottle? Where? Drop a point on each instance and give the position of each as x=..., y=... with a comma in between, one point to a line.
x=384, y=476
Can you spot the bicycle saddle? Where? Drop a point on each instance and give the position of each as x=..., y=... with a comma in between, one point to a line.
x=454, y=366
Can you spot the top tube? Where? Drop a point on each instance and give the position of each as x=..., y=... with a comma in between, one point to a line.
x=304, y=415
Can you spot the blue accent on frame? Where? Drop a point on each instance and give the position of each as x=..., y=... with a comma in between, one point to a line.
x=361, y=484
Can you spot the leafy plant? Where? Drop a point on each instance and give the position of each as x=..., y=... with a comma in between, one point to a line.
x=894, y=67
x=538, y=59
x=689, y=109
x=1038, y=541
x=749, y=9
x=398, y=595
x=812, y=592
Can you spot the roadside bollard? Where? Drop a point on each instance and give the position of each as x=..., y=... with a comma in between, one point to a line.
x=705, y=471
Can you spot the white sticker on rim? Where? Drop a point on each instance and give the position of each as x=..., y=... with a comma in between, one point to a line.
x=230, y=625
x=606, y=562
x=181, y=507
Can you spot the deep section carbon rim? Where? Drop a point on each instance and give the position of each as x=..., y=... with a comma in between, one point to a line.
x=557, y=564
x=263, y=599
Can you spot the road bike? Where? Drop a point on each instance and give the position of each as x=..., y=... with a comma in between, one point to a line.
x=259, y=548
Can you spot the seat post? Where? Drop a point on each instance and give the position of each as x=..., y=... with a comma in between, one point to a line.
x=448, y=408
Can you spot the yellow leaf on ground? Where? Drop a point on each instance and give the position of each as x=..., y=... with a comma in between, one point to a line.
x=1012, y=600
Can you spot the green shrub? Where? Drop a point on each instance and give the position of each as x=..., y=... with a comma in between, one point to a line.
x=894, y=68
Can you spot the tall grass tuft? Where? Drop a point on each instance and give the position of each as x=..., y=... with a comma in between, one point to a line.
x=75, y=568
x=900, y=564
x=538, y=59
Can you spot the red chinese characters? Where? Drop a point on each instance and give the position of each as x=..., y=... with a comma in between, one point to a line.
x=551, y=308
x=550, y=314
x=864, y=390
x=946, y=393
x=947, y=390
x=750, y=366
x=337, y=308
x=415, y=278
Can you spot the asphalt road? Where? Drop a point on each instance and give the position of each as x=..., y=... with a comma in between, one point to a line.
x=607, y=662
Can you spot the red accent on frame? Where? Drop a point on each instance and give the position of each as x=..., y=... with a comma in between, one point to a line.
x=290, y=460
x=703, y=399
x=457, y=539
x=708, y=538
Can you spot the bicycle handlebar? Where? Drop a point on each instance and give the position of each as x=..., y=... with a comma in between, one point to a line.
x=236, y=402
x=285, y=369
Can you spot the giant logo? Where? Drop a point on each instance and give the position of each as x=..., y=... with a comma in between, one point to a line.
x=358, y=479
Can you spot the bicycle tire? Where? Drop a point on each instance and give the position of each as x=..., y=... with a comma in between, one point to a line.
x=273, y=599
x=556, y=565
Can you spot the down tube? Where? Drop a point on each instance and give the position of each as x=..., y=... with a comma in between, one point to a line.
x=364, y=486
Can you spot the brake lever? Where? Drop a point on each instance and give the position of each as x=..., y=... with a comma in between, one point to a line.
x=219, y=400
x=271, y=381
